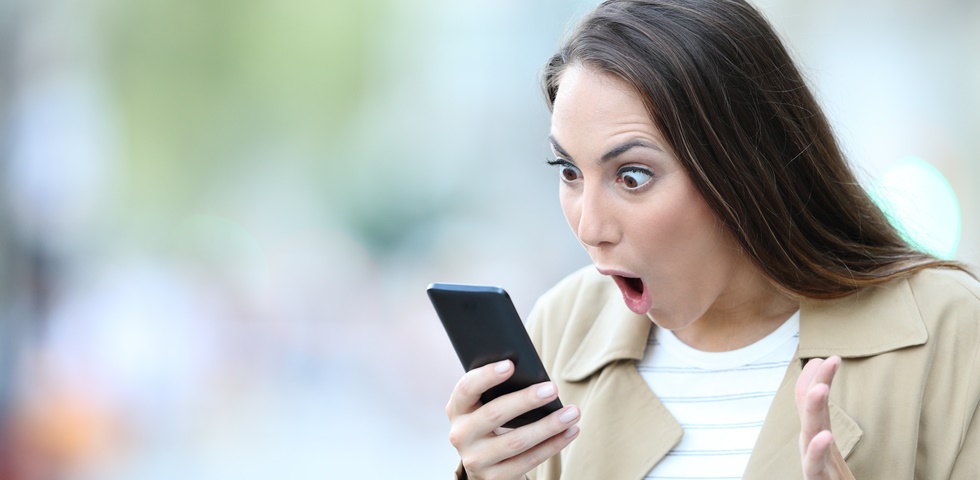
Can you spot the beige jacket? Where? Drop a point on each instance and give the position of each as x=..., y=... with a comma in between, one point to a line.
x=903, y=405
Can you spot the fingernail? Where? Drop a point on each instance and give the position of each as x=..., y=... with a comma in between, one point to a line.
x=502, y=366
x=546, y=390
x=568, y=415
x=571, y=431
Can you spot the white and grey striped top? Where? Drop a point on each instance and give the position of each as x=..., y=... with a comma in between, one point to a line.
x=720, y=399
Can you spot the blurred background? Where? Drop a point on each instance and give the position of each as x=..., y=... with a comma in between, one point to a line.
x=218, y=218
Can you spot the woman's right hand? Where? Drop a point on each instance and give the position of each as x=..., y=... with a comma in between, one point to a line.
x=491, y=452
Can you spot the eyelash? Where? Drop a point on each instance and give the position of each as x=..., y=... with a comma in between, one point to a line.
x=559, y=162
x=562, y=163
x=635, y=170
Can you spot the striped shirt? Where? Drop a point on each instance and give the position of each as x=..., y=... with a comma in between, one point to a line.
x=720, y=399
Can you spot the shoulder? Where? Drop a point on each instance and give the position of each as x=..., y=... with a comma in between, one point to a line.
x=948, y=302
x=943, y=286
x=931, y=306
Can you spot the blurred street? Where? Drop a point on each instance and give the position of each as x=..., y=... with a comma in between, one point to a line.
x=218, y=219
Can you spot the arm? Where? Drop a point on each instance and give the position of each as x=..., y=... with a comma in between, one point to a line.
x=967, y=462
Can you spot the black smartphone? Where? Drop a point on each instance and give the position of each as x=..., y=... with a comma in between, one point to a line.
x=484, y=328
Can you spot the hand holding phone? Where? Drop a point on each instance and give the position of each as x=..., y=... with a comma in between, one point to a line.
x=504, y=380
x=484, y=328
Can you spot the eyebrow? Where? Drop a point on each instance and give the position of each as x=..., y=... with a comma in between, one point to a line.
x=611, y=154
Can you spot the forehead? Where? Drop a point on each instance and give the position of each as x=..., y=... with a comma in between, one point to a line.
x=582, y=90
x=592, y=106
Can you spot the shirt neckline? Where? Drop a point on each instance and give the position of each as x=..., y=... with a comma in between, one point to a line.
x=733, y=358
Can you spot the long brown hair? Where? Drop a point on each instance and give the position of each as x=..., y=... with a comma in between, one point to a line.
x=726, y=95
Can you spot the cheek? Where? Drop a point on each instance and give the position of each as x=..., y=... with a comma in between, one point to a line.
x=569, y=206
x=678, y=229
x=703, y=219
x=696, y=214
x=699, y=240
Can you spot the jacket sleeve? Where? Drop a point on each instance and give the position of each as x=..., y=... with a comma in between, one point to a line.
x=967, y=462
x=535, y=331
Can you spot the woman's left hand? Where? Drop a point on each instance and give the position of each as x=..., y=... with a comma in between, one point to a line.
x=821, y=458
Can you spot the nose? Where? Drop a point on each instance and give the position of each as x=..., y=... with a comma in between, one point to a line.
x=596, y=224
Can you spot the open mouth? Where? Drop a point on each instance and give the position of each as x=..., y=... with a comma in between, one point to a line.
x=635, y=293
x=634, y=284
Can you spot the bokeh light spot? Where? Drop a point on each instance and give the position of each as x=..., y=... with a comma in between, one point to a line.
x=921, y=203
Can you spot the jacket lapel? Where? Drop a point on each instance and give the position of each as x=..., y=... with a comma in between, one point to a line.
x=625, y=428
x=777, y=451
x=873, y=321
x=625, y=431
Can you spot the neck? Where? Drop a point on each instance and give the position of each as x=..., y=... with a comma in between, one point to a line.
x=740, y=318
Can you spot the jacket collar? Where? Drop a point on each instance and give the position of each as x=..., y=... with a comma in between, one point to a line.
x=616, y=334
x=851, y=327
x=873, y=321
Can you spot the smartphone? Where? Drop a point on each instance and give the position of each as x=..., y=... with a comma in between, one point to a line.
x=484, y=328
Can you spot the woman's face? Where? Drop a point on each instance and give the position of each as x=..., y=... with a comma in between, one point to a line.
x=633, y=207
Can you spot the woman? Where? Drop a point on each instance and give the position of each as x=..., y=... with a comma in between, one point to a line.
x=732, y=245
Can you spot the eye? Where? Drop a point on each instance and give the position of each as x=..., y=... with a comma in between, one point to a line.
x=568, y=172
x=634, y=177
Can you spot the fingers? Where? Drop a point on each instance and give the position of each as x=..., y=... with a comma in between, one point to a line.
x=522, y=439
x=466, y=395
x=813, y=393
x=520, y=450
x=823, y=461
x=819, y=454
x=517, y=466
x=488, y=419
x=806, y=379
x=815, y=415
x=816, y=371
x=487, y=449
x=506, y=407
x=827, y=369
x=817, y=458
